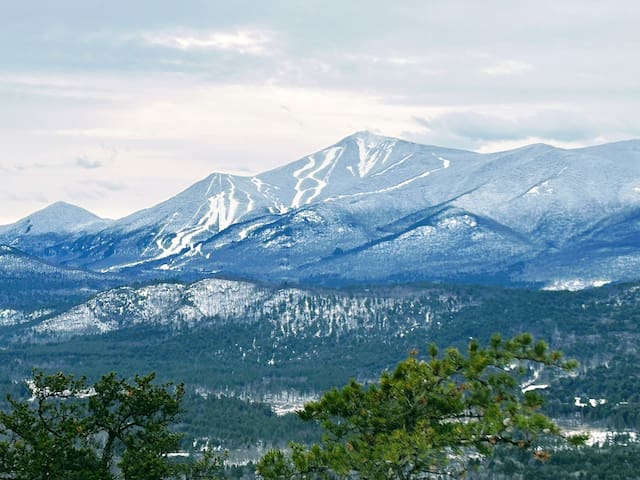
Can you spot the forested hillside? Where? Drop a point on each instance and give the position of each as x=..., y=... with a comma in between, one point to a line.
x=254, y=348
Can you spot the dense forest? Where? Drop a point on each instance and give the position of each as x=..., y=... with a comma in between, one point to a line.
x=233, y=369
x=64, y=421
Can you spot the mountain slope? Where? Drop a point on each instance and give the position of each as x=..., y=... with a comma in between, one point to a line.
x=216, y=333
x=373, y=208
x=29, y=283
x=179, y=307
x=57, y=218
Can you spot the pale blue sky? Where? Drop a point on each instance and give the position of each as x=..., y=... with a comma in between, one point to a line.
x=117, y=105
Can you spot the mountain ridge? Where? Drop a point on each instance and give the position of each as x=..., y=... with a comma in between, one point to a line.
x=630, y=142
x=507, y=213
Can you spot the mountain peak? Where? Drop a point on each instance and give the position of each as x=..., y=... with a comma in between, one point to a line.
x=59, y=217
x=366, y=136
x=71, y=213
x=532, y=147
x=62, y=206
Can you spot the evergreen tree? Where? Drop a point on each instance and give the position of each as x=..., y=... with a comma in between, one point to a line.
x=427, y=418
x=69, y=430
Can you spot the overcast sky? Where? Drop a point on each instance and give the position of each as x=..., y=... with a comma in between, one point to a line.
x=117, y=105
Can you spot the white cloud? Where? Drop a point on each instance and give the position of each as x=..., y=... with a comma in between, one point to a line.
x=71, y=87
x=88, y=163
x=507, y=67
x=170, y=131
x=385, y=60
x=192, y=87
x=250, y=42
x=497, y=127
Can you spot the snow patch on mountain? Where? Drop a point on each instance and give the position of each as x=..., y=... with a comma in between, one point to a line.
x=9, y=316
x=541, y=188
x=370, y=154
x=575, y=284
x=290, y=311
x=316, y=185
x=395, y=165
x=445, y=163
x=80, y=319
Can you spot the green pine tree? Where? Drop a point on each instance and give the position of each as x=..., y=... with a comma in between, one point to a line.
x=426, y=419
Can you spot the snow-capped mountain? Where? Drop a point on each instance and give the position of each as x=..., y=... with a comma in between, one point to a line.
x=373, y=208
x=48, y=231
x=58, y=219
